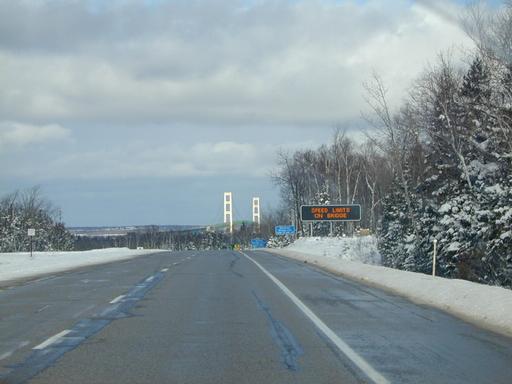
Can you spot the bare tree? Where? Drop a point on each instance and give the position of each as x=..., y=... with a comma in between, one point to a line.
x=394, y=135
x=491, y=31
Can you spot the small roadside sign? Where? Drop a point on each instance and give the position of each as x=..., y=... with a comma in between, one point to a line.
x=258, y=243
x=282, y=230
x=31, y=232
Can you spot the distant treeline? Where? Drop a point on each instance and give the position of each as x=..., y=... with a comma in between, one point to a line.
x=153, y=237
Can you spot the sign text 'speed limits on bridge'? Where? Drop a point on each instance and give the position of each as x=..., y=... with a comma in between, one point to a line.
x=349, y=212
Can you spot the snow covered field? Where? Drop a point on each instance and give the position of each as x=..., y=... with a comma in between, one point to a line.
x=483, y=305
x=20, y=265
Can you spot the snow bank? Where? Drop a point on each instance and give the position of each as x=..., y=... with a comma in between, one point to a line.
x=483, y=305
x=362, y=249
x=20, y=265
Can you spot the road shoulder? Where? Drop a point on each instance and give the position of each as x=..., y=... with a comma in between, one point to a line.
x=484, y=306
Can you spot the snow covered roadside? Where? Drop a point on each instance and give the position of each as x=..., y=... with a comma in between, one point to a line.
x=483, y=305
x=15, y=266
x=362, y=249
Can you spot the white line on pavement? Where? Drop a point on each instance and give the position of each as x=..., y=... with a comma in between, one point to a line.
x=117, y=299
x=43, y=308
x=76, y=315
x=165, y=269
x=9, y=353
x=52, y=339
x=359, y=361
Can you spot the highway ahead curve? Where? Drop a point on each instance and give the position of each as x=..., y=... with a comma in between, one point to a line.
x=224, y=317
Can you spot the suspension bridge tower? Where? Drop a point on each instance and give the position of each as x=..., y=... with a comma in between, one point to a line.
x=256, y=214
x=228, y=211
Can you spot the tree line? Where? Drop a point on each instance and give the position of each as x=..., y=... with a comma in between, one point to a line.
x=437, y=167
x=22, y=210
x=155, y=238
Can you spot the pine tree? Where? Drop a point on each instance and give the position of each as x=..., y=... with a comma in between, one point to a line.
x=395, y=228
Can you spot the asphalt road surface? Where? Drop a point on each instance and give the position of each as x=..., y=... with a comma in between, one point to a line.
x=228, y=317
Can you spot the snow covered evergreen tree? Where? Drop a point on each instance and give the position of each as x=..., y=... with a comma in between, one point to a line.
x=395, y=228
x=463, y=198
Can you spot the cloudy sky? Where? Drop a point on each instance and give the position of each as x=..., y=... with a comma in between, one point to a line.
x=145, y=112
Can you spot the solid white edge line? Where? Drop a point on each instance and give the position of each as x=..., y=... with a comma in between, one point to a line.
x=117, y=299
x=52, y=339
x=352, y=355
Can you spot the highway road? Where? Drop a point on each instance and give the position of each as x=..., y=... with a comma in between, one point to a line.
x=229, y=317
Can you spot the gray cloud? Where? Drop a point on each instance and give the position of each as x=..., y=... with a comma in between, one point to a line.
x=208, y=62
x=142, y=160
x=449, y=11
x=14, y=135
x=105, y=103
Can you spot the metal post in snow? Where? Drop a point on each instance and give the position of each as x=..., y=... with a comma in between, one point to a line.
x=434, y=258
x=311, y=229
x=294, y=223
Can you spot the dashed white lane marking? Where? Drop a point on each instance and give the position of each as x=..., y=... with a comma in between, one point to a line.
x=165, y=269
x=76, y=315
x=52, y=339
x=6, y=355
x=43, y=308
x=149, y=279
x=175, y=263
x=359, y=361
x=117, y=299
x=9, y=353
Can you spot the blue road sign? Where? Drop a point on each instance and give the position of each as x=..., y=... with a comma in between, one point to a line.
x=282, y=230
x=258, y=243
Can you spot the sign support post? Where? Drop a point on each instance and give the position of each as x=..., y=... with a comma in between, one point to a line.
x=434, y=258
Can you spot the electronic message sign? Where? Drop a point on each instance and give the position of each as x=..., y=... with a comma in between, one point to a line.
x=349, y=212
